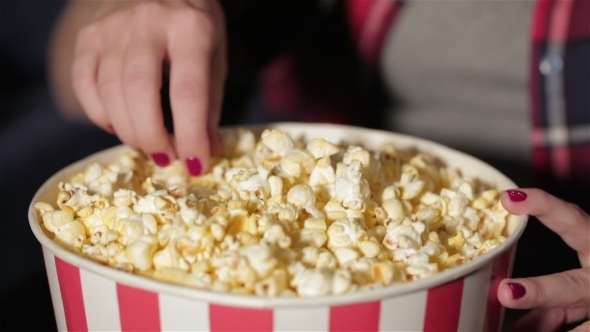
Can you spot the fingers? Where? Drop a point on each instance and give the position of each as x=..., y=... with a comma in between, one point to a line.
x=565, y=219
x=142, y=78
x=117, y=76
x=190, y=72
x=110, y=77
x=84, y=76
x=549, y=319
x=110, y=90
x=565, y=289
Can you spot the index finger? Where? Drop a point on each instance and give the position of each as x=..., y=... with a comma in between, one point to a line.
x=568, y=220
x=190, y=66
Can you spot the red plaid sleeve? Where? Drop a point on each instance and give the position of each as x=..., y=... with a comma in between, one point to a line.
x=370, y=21
x=560, y=90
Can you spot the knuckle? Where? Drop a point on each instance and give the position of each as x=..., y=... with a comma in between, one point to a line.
x=108, y=82
x=82, y=67
x=186, y=89
x=578, y=214
x=88, y=32
x=81, y=83
x=137, y=76
x=148, y=9
x=197, y=22
x=580, y=282
x=545, y=200
x=539, y=290
x=146, y=14
x=114, y=20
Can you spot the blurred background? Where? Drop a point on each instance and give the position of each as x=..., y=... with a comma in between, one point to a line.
x=35, y=141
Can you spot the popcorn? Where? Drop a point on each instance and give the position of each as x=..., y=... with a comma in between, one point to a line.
x=345, y=255
x=350, y=188
x=301, y=195
x=297, y=162
x=278, y=217
x=310, y=237
x=369, y=248
x=277, y=141
x=71, y=234
x=346, y=233
x=313, y=282
x=326, y=260
x=322, y=149
x=140, y=253
x=322, y=174
x=341, y=281
x=393, y=208
x=260, y=257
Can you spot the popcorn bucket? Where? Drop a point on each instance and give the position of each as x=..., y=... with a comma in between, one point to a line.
x=88, y=296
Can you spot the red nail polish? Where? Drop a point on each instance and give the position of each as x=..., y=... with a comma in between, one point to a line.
x=194, y=166
x=516, y=195
x=161, y=159
x=518, y=290
x=111, y=129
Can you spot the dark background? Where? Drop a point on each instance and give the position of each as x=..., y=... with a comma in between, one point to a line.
x=35, y=141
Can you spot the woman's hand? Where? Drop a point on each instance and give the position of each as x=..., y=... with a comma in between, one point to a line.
x=118, y=67
x=561, y=298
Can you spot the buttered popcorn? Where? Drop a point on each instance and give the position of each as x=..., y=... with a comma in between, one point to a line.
x=279, y=217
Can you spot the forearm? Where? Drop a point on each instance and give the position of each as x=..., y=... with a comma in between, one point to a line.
x=61, y=54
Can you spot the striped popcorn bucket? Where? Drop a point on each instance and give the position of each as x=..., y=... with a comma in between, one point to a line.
x=88, y=296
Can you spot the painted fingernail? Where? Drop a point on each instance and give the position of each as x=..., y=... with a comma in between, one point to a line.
x=111, y=129
x=516, y=195
x=194, y=166
x=518, y=290
x=161, y=159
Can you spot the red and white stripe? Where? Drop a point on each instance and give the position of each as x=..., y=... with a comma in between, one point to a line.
x=84, y=301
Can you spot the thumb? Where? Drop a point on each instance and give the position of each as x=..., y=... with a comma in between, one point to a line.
x=565, y=289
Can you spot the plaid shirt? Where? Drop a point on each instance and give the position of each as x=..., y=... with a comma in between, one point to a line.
x=559, y=80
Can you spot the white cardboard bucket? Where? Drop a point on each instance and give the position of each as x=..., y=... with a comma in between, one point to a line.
x=88, y=296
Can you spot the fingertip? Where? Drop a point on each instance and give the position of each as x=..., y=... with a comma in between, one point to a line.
x=193, y=149
x=505, y=294
x=161, y=159
x=194, y=165
x=514, y=200
x=156, y=142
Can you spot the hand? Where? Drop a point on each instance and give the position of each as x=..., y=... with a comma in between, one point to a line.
x=561, y=298
x=117, y=75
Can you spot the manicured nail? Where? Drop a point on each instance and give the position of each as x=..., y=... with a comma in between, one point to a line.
x=161, y=159
x=194, y=166
x=518, y=290
x=516, y=195
x=111, y=129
